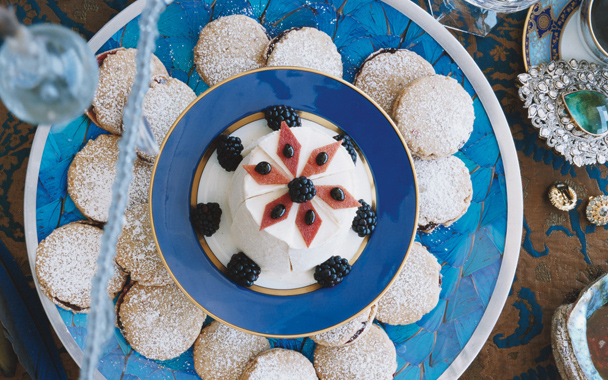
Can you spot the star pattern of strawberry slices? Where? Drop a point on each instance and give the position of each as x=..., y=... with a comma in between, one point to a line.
x=301, y=188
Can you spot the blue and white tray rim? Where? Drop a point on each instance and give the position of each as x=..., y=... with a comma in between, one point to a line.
x=501, y=131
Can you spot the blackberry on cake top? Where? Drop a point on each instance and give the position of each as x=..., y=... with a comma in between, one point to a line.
x=301, y=189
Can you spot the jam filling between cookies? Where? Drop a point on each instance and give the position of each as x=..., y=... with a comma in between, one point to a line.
x=119, y=302
x=358, y=333
x=69, y=305
x=429, y=227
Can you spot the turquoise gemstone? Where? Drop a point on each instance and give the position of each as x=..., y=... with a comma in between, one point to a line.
x=589, y=109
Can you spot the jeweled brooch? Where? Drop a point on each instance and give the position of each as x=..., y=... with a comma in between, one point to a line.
x=597, y=210
x=562, y=196
x=568, y=103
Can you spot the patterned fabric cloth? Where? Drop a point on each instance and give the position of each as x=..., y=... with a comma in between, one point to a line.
x=560, y=254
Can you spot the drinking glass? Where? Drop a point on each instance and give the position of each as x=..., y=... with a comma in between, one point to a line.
x=474, y=16
x=594, y=28
x=48, y=74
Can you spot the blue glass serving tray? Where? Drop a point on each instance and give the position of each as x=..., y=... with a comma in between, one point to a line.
x=478, y=253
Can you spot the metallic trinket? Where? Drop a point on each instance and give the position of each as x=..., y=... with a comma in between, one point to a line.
x=562, y=196
x=597, y=210
x=543, y=89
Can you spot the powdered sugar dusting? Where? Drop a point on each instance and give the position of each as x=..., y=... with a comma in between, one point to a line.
x=435, y=116
x=371, y=357
x=228, y=46
x=116, y=77
x=279, y=364
x=343, y=334
x=221, y=352
x=92, y=174
x=163, y=104
x=306, y=47
x=385, y=73
x=159, y=322
x=136, y=250
x=445, y=190
x=66, y=262
x=415, y=292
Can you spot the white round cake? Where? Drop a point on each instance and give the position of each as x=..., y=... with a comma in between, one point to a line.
x=286, y=249
x=286, y=245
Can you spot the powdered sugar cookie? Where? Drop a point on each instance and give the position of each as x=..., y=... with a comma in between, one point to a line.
x=305, y=47
x=445, y=191
x=416, y=290
x=159, y=322
x=371, y=357
x=279, y=364
x=349, y=332
x=435, y=116
x=165, y=101
x=66, y=262
x=116, y=77
x=386, y=72
x=228, y=46
x=136, y=250
x=92, y=173
x=221, y=352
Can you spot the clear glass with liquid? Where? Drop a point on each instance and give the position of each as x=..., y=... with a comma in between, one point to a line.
x=595, y=28
x=503, y=6
x=49, y=77
x=474, y=16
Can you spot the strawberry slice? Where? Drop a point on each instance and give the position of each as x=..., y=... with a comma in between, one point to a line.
x=308, y=231
x=287, y=137
x=275, y=177
x=324, y=192
x=312, y=167
x=267, y=219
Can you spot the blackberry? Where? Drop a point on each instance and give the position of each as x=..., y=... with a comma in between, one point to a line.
x=277, y=114
x=365, y=221
x=229, y=150
x=348, y=143
x=205, y=218
x=332, y=271
x=242, y=270
x=301, y=190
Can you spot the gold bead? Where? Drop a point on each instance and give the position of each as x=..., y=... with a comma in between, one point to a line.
x=597, y=210
x=562, y=196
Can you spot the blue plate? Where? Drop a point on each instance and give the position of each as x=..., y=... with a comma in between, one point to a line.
x=396, y=201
